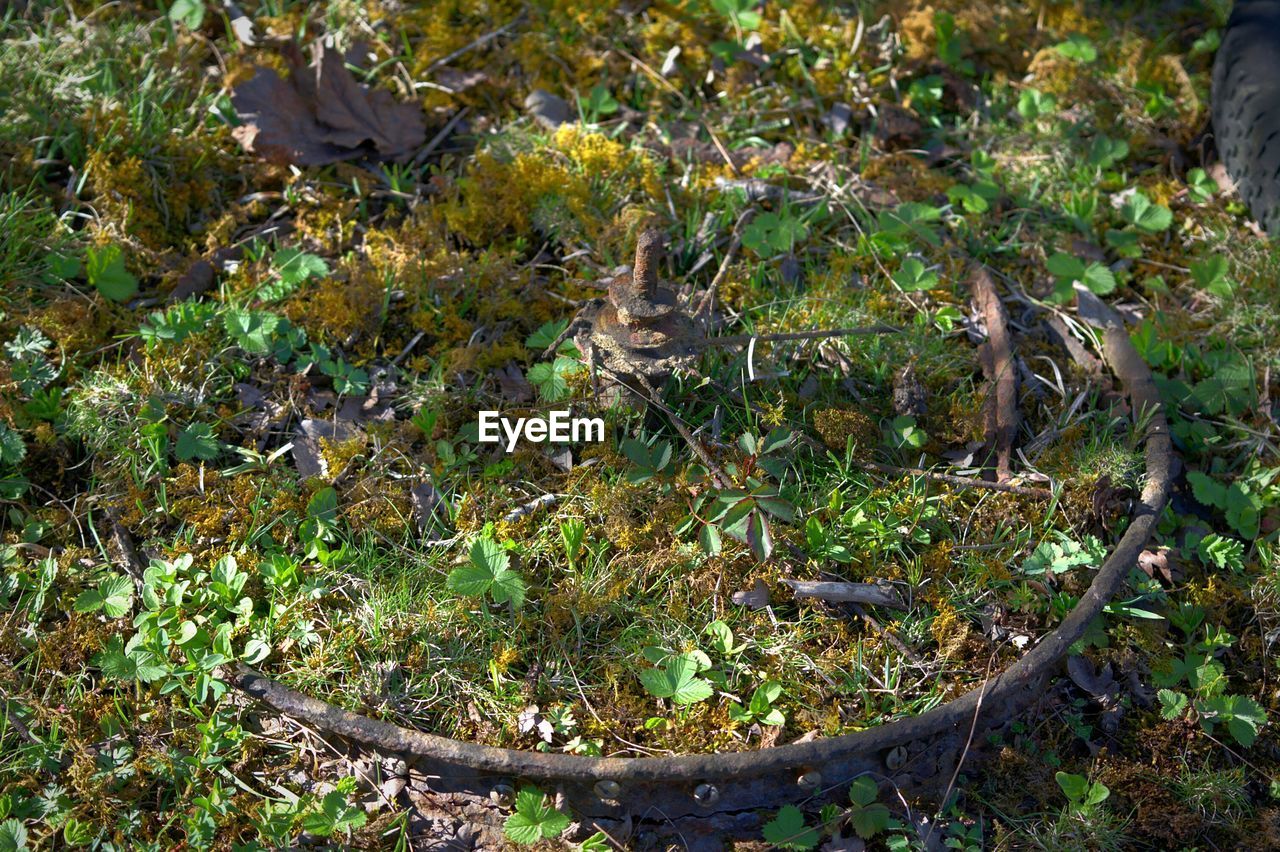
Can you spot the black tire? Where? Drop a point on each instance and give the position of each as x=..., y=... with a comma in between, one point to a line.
x=1246, y=106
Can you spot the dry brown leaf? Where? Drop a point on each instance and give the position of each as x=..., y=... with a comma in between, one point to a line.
x=996, y=358
x=1161, y=565
x=756, y=598
x=321, y=115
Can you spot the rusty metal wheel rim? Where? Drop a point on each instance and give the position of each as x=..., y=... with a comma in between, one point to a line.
x=707, y=784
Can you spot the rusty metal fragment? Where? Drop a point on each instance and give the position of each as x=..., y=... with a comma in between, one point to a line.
x=641, y=334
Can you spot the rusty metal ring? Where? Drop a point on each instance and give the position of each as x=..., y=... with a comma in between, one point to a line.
x=924, y=748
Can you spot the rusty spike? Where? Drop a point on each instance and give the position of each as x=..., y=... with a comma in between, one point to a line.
x=645, y=272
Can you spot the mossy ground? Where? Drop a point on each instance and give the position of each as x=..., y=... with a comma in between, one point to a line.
x=117, y=135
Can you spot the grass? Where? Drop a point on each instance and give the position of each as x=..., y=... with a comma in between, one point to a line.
x=117, y=134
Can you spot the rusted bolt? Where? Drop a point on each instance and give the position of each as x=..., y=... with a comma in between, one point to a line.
x=639, y=299
x=810, y=780
x=896, y=758
x=607, y=789
x=645, y=272
x=503, y=795
x=706, y=795
x=641, y=330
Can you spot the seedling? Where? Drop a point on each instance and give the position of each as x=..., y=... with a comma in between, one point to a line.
x=489, y=573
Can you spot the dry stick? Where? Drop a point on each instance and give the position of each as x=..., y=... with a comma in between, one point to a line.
x=124, y=541
x=735, y=242
x=436, y=140
x=739, y=339
x=948, y=478
x=890, y=636
x=959, y=481
x=973, y=727
x=996, y=356
x=721, y=480
x=532, y=506
x=480, y=42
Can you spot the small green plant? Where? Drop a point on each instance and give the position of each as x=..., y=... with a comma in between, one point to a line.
x=760, y=708
x=1034, y=104
x=778, y=232
x=1062, y=554
x=1069, y=271
x=1210, y=275
x=189, y=13
x=953, y=43
x=12, y=451
x=572, y=534
x=788, y=830
x=175, y=323
x=552, y=378
x=1078, y=47
x=1221, y=552
x=913, y=276
x=336, y=813
x=1241, y=714
x=1239, y=503
x=197, y=442
x=740, y=13
x=866, y=814
x=28, y=365
x=650, y=458
x=676, y=677
x=489, y=573
x=114, y=596
x=597, y=104
x=975, y=197
x=105, y=271
x=822, y=544
x=535, y=818
x=1082, y=795
x=1105, y=152
x=292, y=268
x=902, y=433
x=1146, y=215
x=1200, y=187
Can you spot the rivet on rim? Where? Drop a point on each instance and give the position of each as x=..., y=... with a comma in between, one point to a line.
x=810, y=780
x=607, y=789
x=503, y=795
x=706, y=795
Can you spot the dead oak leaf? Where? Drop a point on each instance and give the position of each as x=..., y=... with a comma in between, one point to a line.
x=1161, y=565
x=322, y=115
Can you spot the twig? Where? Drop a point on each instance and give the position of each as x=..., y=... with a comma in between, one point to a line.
x=739, y=339
x=707, y=302
x=408, y=348
x=889, y=636
x=480, y=42
x=721, y=479
x=532, y=506
x=440, y=137
x=973, y=727
x=124, y=542
x=959, y=481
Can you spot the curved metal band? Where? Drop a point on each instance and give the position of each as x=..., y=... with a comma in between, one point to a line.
x=742, y=780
